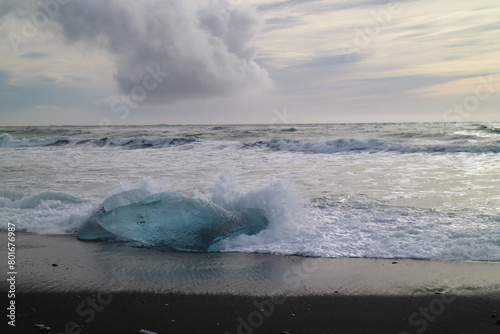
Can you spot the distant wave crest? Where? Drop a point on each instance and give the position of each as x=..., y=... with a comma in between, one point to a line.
x=7, y=140
x=490, y=129
x=370, y=145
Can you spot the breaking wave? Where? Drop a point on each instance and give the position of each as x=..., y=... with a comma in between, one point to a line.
x=371, y=145
x=490, y=129
x=7, y=140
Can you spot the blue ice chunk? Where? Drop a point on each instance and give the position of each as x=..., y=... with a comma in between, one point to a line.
x=92, y=230
x=173, y=220
x=125, y=198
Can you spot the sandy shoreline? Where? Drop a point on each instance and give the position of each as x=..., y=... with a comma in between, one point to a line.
x=48, y=263
x=111, y=288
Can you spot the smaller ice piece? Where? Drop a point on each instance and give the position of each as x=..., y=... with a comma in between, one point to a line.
x=172, y=220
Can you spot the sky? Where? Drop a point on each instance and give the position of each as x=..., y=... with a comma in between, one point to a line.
x=118, y=62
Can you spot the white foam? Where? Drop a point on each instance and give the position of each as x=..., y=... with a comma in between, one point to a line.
x=45, y=212
x=365, y=231
x=383, y=233
x=280, y=199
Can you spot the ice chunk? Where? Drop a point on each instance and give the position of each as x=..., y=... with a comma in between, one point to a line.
x=92, y=230
x=125, y=198
x=171, y=219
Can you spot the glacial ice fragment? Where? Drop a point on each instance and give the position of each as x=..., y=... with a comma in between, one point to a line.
x=92, y=230
x=171, y=219
x=125, y=198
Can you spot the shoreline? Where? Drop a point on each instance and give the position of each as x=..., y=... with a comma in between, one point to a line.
x=75, y=286
x=62, y=263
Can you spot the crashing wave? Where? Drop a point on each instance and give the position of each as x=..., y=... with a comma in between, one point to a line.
x=7, y=140
x=490, y=129
x=370, y=145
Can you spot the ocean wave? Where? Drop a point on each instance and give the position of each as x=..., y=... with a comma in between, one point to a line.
x=14, y=200
x=489, y=129
x=370, y=145
x=46, y=212
x=7, y=140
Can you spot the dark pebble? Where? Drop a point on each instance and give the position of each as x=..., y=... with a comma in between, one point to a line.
x=54, y=265
x=394, y=262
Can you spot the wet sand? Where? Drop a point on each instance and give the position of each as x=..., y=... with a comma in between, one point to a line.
x=108, y=288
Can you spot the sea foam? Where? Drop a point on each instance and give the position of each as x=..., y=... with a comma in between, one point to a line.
x=46, y=212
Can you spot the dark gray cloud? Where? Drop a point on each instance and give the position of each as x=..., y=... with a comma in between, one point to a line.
x=206, y=50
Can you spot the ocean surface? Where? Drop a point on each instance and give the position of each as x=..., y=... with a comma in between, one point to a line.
x=412, y=190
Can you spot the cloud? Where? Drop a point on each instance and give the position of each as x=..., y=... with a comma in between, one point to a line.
x=35, y=55
x=206, y=50
x=414, y=65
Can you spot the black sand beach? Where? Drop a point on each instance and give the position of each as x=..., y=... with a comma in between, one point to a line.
x=83, y=287
x=195, y=313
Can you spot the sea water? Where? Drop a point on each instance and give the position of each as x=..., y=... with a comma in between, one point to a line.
x=409, y=190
